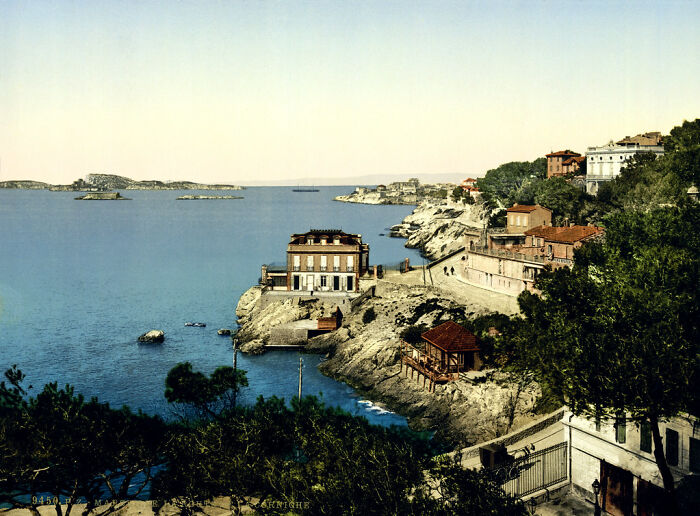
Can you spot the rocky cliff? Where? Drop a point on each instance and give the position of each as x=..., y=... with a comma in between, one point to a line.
x=24, y=185
x=439, y=228
x=367, y=356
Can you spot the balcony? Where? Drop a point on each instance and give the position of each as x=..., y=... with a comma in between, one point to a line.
x=296, y=268
x=508, y=255
x=351, y=268
x=323, y=268
x=336, y=269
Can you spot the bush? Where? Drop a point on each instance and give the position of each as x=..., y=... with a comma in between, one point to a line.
x=413, y=333
x=369, y=315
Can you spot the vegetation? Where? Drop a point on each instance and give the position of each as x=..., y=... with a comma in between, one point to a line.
x=499, y=184
x=369, y=315
x=460, y=194
x=618, y=334
x=269, y=457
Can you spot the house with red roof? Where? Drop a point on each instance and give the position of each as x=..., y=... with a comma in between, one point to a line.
x=557, y=244
x=443, y=353
x=556, y=160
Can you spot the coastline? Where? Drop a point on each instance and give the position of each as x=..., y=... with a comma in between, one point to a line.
x=366, y=357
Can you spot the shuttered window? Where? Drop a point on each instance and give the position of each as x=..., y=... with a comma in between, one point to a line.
x=672, y=447
x=645, y=436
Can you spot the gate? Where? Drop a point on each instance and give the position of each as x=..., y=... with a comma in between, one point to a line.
x=538, y=470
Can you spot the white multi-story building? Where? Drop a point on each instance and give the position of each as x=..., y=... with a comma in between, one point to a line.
x=605, y=163
x=618, y=455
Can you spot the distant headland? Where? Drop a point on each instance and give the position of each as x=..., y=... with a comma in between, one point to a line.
x=107, y=182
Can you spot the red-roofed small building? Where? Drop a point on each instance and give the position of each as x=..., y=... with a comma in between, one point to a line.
x=445, y=351
x=555, y=162
x=521, y=217
x=557, y=244
x=575, y=165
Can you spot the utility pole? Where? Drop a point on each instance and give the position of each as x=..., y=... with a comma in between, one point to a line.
x=235, y=371
x=300, y=376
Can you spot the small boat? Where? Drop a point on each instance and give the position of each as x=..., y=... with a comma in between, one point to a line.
x=196, y=324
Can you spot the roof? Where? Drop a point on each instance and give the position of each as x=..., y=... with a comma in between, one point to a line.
x=566, y=234
x=652, y=138
x=525, y=208
x=566, y=152
x=450, y=336
x=577, y=159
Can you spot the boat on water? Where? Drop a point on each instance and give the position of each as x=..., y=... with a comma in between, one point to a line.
x=304, y=189
x=196, y=324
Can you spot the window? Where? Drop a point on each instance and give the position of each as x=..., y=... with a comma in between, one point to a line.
x=324, y=263
x=336, y=263
x=310, y=263
x=324, y=281
x=645, y=436
x=297, y=263
x=336, y=240
x=620, y=429
x=349, y=283
x=309, y=240
x=695, y=455
x=350, y=263
x=671, y=447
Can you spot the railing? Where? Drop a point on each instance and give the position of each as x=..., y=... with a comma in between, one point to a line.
x=296, y=268
x=323, y=268
x=535, y=471
x=507, y=254
x=336, y=269
x=350, y=268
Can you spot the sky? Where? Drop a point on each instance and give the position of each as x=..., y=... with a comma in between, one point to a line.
x=259, y=91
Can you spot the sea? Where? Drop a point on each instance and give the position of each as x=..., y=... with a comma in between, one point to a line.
x=81, y=280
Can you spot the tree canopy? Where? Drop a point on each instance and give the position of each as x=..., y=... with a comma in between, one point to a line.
x=618, y=333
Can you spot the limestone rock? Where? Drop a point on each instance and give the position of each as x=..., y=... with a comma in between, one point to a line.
x=152, y=336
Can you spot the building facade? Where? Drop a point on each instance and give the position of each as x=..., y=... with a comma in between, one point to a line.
x=557, y=244
x=618, y=454
x=556, y=160
x=605, y=163
x=326, y=260
x=521, y=217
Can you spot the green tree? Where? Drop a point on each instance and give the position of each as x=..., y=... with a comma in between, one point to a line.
x=618, y=333
x=499, y=184
x=60, y=448
x=207, y=396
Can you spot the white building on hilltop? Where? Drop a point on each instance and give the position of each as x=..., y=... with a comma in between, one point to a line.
x=605, y=163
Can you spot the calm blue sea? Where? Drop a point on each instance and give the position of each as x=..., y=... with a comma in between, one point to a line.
x=81, y=280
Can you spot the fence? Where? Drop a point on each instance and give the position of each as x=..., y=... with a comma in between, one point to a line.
x=538, y=470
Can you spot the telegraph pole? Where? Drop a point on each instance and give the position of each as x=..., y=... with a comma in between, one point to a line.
x=300, y=377
x=235, y=371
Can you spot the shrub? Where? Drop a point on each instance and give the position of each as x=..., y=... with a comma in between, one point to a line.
x=369, y=315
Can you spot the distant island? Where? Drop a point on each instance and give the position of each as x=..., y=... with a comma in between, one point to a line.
x=107, y=182
x=206, y=197
x=102, y=196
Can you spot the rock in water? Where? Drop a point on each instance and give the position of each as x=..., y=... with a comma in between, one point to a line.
x=224, y=331
x=152, y=336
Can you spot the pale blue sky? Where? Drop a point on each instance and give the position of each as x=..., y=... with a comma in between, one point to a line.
x=234, y=91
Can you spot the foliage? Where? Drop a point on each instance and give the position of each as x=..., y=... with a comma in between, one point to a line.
x=564, y=199
x=412, y=334
x=460, y=194
x=619, y=331
x=59, y=446
x=499, y=184
x=369, y=315
x=455, y=490
x=208, y=397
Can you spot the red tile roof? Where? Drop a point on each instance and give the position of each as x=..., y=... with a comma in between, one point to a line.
x=450, y=336
x=566, y=152
x=525, y=208
x=577, y=159
x=567, y=234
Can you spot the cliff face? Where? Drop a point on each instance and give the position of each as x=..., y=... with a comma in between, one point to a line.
x=440, y=228
x=367, y=356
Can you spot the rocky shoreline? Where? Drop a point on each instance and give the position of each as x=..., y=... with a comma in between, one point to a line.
x=106, y=182
x=367, y=357
x=440, y=228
